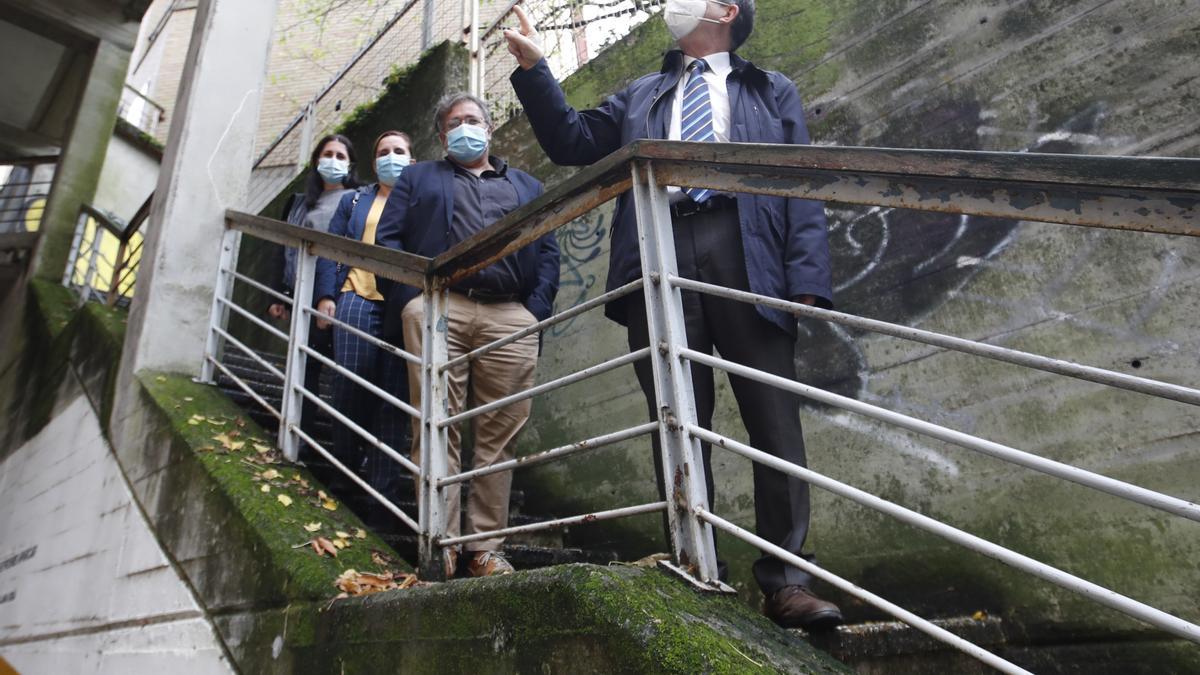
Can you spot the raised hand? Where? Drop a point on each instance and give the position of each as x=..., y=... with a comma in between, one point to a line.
x=524, y=44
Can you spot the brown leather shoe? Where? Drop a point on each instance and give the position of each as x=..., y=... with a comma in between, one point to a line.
x=798, y=607
x=488, y=563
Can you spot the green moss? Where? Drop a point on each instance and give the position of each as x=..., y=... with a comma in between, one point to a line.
x=574, y=618
x=234, y=454
x=53, y=304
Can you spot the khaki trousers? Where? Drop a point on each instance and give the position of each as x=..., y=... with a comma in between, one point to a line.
x=495, y=375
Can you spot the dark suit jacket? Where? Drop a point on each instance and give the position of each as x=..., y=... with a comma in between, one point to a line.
x=417, y=219
x=785, y=240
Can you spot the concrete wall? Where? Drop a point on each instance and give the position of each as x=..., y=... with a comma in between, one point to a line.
x=1080, y=76
x=128, y=177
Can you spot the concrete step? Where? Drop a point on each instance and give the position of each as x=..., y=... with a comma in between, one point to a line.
x=896, y=647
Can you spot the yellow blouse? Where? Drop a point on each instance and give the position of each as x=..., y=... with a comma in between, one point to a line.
x=363, y=283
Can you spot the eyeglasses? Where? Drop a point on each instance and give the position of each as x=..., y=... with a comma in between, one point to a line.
x=456, y=122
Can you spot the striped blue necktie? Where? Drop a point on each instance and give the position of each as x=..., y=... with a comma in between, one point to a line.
x=695, y=117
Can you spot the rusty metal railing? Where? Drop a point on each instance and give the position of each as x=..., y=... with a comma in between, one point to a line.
x=1155, y=195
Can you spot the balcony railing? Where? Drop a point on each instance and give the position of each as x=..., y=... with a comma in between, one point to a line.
x=1155, y=195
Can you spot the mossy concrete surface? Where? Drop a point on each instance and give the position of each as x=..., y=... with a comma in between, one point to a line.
x=568, y=619
x=48, y=334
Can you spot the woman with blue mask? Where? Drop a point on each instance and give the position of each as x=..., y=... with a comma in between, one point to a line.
x=330, y=176
x=352, y=297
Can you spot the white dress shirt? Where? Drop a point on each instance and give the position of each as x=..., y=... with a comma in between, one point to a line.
x=718, y=95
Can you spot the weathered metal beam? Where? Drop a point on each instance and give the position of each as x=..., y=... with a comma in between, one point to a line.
x=406, y=268
x=570, y=199
x=1142, y=210
x=1077, y=171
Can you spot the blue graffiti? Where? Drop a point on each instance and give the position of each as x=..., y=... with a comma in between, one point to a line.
x=579, y=244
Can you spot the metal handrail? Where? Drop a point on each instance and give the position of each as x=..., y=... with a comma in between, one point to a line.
x=1105, y=192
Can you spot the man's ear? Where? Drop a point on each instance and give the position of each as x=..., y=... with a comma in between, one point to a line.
x=731, y=12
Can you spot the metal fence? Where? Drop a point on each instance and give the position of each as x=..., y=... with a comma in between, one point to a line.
x=1143, y=194
x=24, y=188
x=105, y=255
x=140, y=111
x=571, y=34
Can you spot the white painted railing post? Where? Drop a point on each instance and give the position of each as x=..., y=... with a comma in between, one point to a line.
x=683, y=471
x=231, y=241
x=435, y=405
x=297, y=360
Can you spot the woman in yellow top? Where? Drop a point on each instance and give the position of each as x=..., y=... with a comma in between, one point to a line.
x=351, y=296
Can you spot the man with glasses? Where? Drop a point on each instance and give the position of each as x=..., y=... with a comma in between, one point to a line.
x=433, y=206
x=768, y=245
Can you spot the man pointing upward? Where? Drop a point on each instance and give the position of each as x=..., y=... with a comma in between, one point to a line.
x=773, y=246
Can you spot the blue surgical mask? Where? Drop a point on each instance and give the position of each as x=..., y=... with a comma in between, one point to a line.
x=466, y=143
x=389, y=167
x=333, y=170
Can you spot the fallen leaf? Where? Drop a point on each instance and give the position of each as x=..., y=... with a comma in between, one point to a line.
x=261, y=449
x=270, y=474
x=223, y=439
x=217, y=423
x=360, y=533
x=321, y=495
x=240, y=422
x=329, y=505
x=236, y=445
x=160, y=378
x=362, y=583
x=197, y=418
x=979, y=615
x=342, y=535
x=189, y=399
x=285, y=500
x=312, y=527
x=322, y=546
x=340, y=543
x=194, y=422
x=267, y=488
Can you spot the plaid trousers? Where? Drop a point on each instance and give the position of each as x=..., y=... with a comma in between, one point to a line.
x=384, y=370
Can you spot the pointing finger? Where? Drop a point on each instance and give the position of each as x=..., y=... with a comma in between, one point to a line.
x=526, y=27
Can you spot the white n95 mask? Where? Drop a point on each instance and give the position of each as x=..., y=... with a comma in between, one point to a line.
x=682, y=16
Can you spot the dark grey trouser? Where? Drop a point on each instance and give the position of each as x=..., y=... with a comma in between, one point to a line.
x=709, y=249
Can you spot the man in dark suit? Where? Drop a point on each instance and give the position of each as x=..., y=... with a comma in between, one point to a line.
x=768, y=245
x=433, y=206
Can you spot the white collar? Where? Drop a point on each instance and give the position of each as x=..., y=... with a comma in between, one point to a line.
x=718, y=63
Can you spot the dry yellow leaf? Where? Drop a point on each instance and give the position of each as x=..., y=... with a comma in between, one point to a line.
x=329, y=505
x=285, y=500
x=312, y=527
x=217, y=423
x=194, y=423
x=261, y=449
x=360, y=533
x=270, y=474
x=266, y=488
x=321, y=495
x=340, y=543
x=223, y=439
x=188, y=398
x=979, y=615
x=342, y=535
x=160, y=378
x=236, y=445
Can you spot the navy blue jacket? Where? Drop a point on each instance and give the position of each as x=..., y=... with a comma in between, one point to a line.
x=417, y=219
x=348, y=221
x=785, y=240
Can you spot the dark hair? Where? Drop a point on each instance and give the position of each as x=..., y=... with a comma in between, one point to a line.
x=314, y=185
x=390, y=132
x=449, y=101
x=743, y=24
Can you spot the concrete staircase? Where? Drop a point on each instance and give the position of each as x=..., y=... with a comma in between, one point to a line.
x=525, y=551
